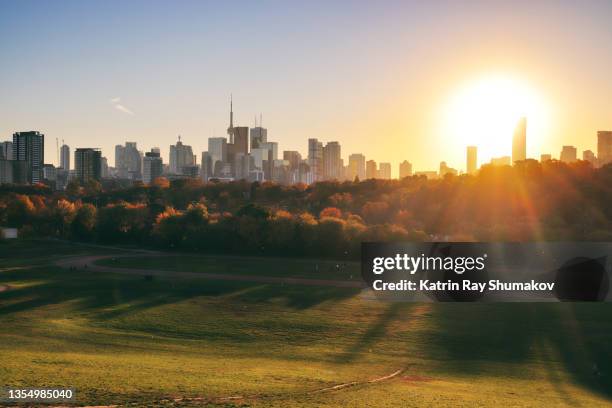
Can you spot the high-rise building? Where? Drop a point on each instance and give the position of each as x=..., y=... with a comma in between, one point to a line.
x=13, y=171
x=590, y=157
x=501, y=161
x=87, y=164
x=293, y=157
x=258, y=135
x=371, y=169
x=604, y=147
x=472, y=159
x=65, y=157
x=445, y=169
x=271, y=146
x=6, y=150
x=104, y=172
x=405, y=169
x=569, y=154
x=30, y=147
x=332, y=161
x=240, y=142
x=152, y=166
x=384, y=171
x=181, y=156
x=545, y=157
x=519, y=141
x=217, y=149
x=315, y=159
x=207, y=166
x=356, y=166
x=128, y=161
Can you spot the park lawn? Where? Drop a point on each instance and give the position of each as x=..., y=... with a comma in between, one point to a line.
x=237, y=265
x=123, y=339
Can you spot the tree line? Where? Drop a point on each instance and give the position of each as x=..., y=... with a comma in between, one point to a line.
x=529, y=201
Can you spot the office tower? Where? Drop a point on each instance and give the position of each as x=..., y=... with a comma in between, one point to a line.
x=181, y=156
x=356, y=166
x=156, y=150
x=217, y=149
x=405, y=169
x=568, y=154
x=206, y=167
x=87, y=164
x=545, y=157
x=472, y=159
x=241, y=141
x=49, y=172
x=519, y=141
x=315, y=159
x=152, y=166
x=384, y=171
x=604, y=147
x=243, y=164
x=332, y=161
x=589, y=156
x=501, y=161
x=30, y=147
x=65, y=157
x=6, y=150
x=371, y=169
x=271, y=146
x=104, y=173
x=293, y=157
x=258, y=135
x=128, y=161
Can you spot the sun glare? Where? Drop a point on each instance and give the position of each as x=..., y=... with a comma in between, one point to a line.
x=485, y=112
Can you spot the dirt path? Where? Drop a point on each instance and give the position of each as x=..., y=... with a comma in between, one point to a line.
x=88, y=263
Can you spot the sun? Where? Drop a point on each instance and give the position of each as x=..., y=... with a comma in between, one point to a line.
x=485, y=111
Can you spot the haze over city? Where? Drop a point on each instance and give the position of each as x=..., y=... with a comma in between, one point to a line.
x=100, y=74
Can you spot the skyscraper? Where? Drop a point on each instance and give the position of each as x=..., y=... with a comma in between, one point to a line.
x=604, y=147
x=384, y=171
x=472, y=159
x=568, y=154
x=356, y=166
x=293, y=157
x=405, y=169
x=590, y=157
x=30, y=147
x=152, y=166
x=128, y=161
x=332, y=161
x=240, y=144
x=545, y=157
x=181, y=156
x=519, y=141
x=258, y=135
x=315, y=159
x=65, y=157
x=371, y=169
x=6, y=150
x=87, y=163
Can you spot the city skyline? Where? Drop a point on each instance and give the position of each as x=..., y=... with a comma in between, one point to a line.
x=77, y=76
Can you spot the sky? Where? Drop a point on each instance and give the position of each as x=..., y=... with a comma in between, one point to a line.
x=378, y=77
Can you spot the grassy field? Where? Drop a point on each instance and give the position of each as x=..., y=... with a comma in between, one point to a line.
x=121, y=339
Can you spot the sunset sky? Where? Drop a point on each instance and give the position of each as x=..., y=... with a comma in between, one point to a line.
x=382, y=78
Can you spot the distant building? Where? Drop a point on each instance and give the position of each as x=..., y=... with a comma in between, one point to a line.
x=384, y=171
x=590, y=157
x=87, y=163
x=371, y=169
x=545, y=158
x=152, y=167
x=239, y=144
x=49, y=172
x=206, y=166
x=315, y=159
x=181, y=156
x=192, y=171
x=30, y=147
x=519, y=141
x=65, y=157
x=501, y=161
x=405, y=169
x=128, y=161
x=445, y=169
x=293, y=157
x=13, y=171
x=104, y=171
x=258, y=135
x=472, y=159
x=604, y=147
x=6, y=150
x=356, y=166
x=569, y=154
x=217, y=150
x=332, y=161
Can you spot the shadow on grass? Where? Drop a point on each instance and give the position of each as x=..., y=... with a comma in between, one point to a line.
x=471, y=338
